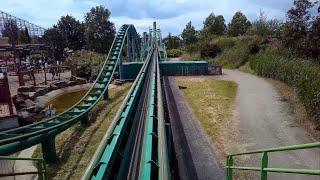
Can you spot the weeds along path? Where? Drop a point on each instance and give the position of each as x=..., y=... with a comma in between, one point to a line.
x=265, y=120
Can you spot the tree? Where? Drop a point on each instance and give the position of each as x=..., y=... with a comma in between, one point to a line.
x=99, y=31
x=72, y=31
x=189, y=34
x=214, y=25
x=172, y=42
x=23, y=37
x=10, y=30
x=56, y=41
x=239, y=24
x=300, y=32
x=265, y=27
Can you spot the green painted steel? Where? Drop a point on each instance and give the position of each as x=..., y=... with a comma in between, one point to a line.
x=131, y=69
x=183, y=68
x=264, y=169
x=107, y=154
x=115, y=150
x=23, y=137
x=40, y=165
x=154, y=163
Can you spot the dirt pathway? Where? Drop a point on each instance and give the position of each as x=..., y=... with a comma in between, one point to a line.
x=266, y=121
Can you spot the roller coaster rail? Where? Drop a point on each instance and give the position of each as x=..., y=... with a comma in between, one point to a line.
x=44, y=131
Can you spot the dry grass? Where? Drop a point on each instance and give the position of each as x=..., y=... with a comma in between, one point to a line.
x=76, y=145
x=246, y=68
x=212, y=101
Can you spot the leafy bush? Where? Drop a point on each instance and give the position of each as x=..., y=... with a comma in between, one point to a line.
x=302, y=75
x=190, y=57
x=224, y=42
x=174, y=52
x=88, y=63
x=209, y=50
x=237, y=51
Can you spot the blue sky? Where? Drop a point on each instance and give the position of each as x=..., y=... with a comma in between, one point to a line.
x=170, y=15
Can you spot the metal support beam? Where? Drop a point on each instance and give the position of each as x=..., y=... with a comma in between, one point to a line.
x=49, y=150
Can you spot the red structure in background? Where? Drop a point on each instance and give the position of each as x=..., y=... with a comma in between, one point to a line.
x=8, y=116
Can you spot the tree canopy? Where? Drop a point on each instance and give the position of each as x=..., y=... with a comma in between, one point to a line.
x=99, y=30
x=56, y=41
x=172, y=42
x=72, y=31
x=189, y=34
x=11, y=31
x=214, y=25
x=238, y=25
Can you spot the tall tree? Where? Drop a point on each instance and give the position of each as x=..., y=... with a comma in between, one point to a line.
x=56, y=41
x=239, y=24
x=189, y=34
x=172, y=42
x=214, y=25
x=99, y=30
x=264, y=27
x=300, y=32
x=11, y=31
x=72, y=31
x=23, y=37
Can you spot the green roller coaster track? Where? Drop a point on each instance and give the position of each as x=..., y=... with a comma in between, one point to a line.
x=137, y=143
x=45, y=131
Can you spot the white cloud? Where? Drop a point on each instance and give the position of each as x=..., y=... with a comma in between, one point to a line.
x=172, y=16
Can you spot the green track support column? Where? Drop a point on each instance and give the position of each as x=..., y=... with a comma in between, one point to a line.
x=229, y=164
x=264, y=164
x=106, y=95
x=49, y=150
x=84, y=120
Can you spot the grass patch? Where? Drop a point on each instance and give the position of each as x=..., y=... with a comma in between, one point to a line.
x=247, y=69
x=76, y=145
x=212, y=102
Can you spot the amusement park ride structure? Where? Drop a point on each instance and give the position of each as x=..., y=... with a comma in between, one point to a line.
x=138, y=144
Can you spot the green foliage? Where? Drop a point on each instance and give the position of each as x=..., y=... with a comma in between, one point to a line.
x=174, y=52
x=99, y=30
x=301, y=31
x=189, y=34
x=88, y=63
x=214, y=25
x=224, y=42
x=299, y=73
x=172, y=42
x=264, y=27
x=23, y=37
x=190, y=56
x=10, y=30
x=239, y=24
x=56, y=41
x=72, y=31
x=236, y=51
x=209, y=50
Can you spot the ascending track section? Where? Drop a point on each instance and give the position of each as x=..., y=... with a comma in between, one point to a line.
x=135, y=145
x=44, y=131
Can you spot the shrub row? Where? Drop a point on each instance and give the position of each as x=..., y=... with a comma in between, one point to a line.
x=174, y=52
x=302, y=75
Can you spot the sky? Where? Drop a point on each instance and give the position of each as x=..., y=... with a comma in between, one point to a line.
x=170, y=15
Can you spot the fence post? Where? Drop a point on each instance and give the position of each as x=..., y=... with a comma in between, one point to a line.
x=264, y=164
x=229, y=164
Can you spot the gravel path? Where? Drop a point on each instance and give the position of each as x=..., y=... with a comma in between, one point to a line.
x=265, y=120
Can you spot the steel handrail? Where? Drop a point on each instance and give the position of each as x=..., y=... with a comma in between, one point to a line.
x=264, y=169
x=41, y=167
